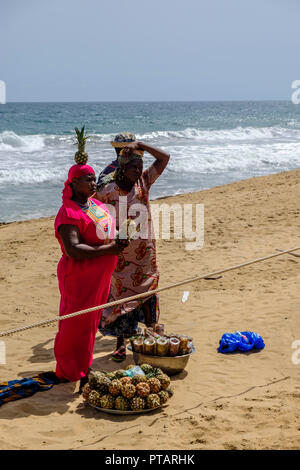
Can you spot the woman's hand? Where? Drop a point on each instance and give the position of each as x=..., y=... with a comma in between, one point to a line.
x=114, y=248
x=161, y=157
x=131, y=147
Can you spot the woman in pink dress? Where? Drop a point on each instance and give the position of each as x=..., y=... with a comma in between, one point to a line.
x=85, y=231
x=137, y=270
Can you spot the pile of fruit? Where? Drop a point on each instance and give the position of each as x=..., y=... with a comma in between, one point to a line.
x=117, y=390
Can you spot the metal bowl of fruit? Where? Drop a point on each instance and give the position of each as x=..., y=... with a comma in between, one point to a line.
x=171, y=365
x=119, y=412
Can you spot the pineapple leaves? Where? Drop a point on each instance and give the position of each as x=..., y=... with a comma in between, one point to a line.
x=81, y=138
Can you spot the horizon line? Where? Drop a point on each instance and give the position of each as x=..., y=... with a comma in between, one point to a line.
x=157, y=101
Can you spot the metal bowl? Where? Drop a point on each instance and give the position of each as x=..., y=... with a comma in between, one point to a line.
x=119, y=412
x=171, y=365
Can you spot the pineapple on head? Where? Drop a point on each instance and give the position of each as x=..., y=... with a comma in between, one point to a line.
x=81, y=157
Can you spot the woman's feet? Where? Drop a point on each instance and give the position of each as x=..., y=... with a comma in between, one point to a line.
x=83, y=381
x=120, y=353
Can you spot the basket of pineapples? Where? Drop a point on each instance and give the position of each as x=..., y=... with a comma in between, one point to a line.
x=120, y=393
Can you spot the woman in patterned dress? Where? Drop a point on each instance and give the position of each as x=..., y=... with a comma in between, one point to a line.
x=136, y=271
x=85, y=231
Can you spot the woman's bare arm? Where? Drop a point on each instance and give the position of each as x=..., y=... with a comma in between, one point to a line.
x=162, y=158
x=74, y=248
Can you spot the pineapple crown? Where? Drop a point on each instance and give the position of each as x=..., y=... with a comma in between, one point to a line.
x=81, y=138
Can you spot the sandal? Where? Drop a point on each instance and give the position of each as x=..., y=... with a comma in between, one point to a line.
x=119, y=355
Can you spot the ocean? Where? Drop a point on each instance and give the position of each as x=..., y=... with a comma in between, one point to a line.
x=210, y=143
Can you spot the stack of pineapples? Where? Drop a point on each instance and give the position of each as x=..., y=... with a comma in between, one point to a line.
x=116, y=390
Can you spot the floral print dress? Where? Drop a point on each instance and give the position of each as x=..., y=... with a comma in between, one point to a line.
x=136, y=270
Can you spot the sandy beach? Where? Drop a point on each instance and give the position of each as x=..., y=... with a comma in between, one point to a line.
x=238, y=401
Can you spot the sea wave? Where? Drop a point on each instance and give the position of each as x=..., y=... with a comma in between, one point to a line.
x=223, y=135
x=11, y=142
x=47, y=158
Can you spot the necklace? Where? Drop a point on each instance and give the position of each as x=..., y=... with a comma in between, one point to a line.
x=83, y=206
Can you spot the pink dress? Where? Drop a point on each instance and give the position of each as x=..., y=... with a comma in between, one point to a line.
x=83, y=284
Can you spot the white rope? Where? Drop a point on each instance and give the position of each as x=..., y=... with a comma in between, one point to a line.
x=146, y=294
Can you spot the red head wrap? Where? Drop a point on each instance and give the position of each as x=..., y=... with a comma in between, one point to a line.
x=74, y=172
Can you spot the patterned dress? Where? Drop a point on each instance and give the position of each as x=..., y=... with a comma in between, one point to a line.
x=137, y=270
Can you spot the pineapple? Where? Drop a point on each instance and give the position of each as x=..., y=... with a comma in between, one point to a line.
x=143, y=389
x=94, y=377
x=120, y=373
x=115, y=388
x=170, y=391
x=130, y=366
x=86, y=390
x=81, y=157
x=163, y=396
x=153, y=400
x=111, y=376
x=154, y=385
x=154, y=372
x=103, y=384
x=125, y=380
x=107, y=401
x=164, y=381
x=121, y=403
x=138, y=378
x=94, y=398
x=146, y=368
x=137, y=403
x=128, y=390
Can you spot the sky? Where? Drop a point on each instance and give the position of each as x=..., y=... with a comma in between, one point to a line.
x=158, y=50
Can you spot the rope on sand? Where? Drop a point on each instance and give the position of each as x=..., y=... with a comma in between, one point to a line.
x=146, y=294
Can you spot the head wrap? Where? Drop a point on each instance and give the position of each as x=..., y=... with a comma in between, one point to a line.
x=121, y=140
x=74, y=172
x=124, y=159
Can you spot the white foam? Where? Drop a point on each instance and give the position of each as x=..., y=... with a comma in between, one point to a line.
x=9, y=141
x=236, y=134
x=47, y=158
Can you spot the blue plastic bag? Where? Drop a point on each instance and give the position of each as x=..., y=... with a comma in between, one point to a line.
x=241, y=340
x=136, y=370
